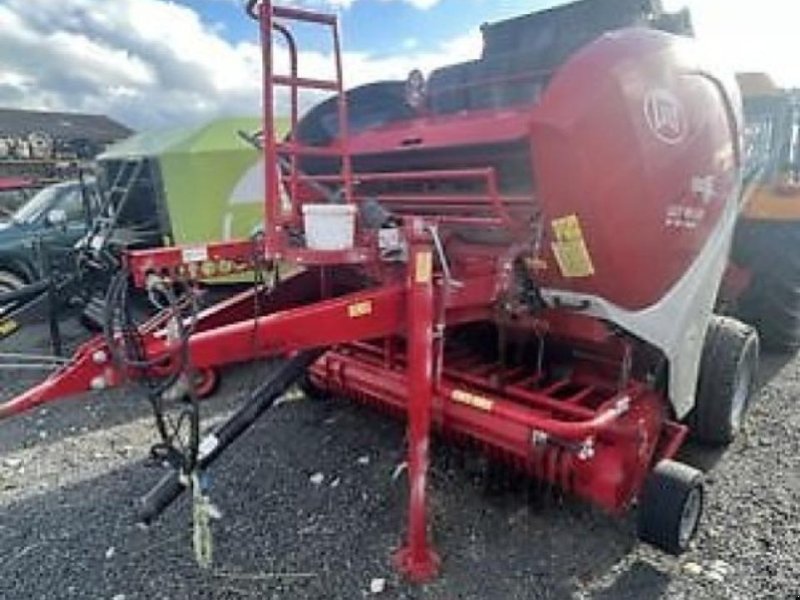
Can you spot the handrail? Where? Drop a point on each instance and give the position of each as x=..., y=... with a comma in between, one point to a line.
x=492, y=198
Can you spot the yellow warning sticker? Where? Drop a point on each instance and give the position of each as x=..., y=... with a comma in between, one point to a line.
x=473, y=400
x=7, y=327
x=424, y=267
x=570, y=248
x=360, y=309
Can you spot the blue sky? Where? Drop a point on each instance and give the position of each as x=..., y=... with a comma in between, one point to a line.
x=382, y=26
x=158, y=63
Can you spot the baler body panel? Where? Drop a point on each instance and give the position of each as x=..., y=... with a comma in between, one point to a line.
x=645, y=158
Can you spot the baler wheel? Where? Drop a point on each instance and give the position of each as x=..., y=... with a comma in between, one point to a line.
x=670, y=506
x=727, y=381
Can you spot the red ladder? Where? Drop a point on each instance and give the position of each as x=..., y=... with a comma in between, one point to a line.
x=275, y=152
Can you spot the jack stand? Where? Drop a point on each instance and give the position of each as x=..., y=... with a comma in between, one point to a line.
x=416, y=559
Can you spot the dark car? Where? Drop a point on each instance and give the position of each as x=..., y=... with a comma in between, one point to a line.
x=55, y=219
x=14, y=192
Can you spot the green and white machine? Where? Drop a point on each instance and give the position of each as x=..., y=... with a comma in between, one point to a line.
x=185, y=185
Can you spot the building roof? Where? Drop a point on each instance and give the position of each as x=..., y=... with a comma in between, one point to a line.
x=97, y=128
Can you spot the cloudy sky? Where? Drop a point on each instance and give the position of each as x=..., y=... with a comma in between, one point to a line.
x=153, y=63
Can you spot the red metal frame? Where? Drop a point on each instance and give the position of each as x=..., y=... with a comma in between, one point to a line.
x=416, y=558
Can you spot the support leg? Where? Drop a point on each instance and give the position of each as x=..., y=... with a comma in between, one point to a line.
x=416, y=559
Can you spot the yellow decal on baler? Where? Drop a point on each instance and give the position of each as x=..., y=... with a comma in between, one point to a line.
x=424, y=267
x=570, y=249
x=360, y=309
x=473, y=400
x=7, y=327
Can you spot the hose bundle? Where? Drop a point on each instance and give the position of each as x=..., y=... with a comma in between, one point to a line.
x=171, y=396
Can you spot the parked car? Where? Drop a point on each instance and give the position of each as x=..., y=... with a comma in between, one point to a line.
x=14, y=192
x=54, y=218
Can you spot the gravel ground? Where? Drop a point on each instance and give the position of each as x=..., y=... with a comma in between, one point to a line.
x=69, y=473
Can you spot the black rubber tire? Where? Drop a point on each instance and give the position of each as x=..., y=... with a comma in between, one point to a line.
x=664, y=503
x=10, y=281
x=727, y=381
x=771, y=303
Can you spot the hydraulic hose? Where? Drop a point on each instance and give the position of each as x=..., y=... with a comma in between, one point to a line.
x=213, y=445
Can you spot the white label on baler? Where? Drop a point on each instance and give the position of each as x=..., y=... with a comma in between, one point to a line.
x=194, y=254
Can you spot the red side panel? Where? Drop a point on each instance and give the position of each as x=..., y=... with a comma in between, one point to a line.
x=636, y=143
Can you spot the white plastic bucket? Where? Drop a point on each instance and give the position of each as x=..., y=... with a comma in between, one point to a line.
x=329, y=226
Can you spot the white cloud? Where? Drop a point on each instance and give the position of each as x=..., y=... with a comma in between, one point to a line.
x=156, y=63
x=345, y=4
x=418, y=4
x=750, y=37
x=422, y=4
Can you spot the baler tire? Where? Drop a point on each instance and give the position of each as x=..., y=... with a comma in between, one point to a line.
x=726, y=383
x=10, y=281
x=670, y=506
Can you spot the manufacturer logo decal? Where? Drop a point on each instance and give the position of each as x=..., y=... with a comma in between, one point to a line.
x=665, y=116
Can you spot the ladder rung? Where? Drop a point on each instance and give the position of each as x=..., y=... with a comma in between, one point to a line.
x=302, y=82
x=289, y=148
x=297, y=14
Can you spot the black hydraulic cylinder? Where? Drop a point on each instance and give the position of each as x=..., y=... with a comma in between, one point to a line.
x=171, y=487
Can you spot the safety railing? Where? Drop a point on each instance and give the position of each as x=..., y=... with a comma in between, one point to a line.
x=486, y=207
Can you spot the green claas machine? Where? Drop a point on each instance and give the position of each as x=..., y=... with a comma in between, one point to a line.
x=168, y=175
